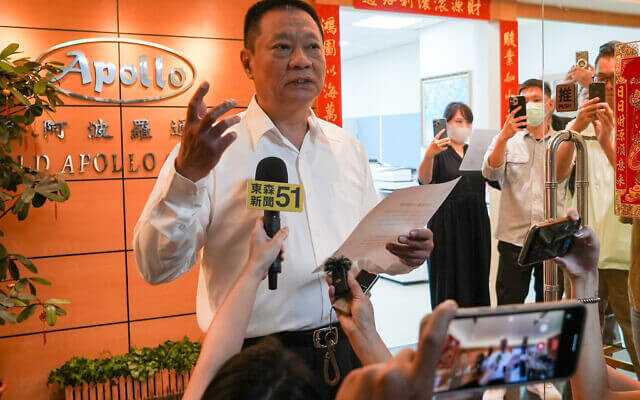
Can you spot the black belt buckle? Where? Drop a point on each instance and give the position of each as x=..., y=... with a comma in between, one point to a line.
x=322, y=336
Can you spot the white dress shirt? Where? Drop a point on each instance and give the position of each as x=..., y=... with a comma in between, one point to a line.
x=522, y=180
x=182, y=217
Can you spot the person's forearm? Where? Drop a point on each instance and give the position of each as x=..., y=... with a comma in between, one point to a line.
x=225, y=335
x=590, y=381
x=564, y=161
x=620, y=382
x=369, y=347
x=425, y=172
x=498, y=155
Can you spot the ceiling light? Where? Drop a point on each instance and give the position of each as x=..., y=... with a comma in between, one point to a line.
x=387, y=22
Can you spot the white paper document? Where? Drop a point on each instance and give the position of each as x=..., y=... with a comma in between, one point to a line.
x=399, y=213
x=480, y=141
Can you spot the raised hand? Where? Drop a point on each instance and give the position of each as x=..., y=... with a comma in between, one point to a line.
x=438, y=145
x=512, y=124
x=203, y=141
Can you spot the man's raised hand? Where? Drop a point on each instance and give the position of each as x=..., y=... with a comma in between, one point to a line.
x=203, y=141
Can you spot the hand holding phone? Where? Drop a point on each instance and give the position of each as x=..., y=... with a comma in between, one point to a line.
x=548, y=240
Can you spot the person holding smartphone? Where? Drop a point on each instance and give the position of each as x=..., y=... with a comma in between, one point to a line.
x=516, y=159
x=462, y=221
x=596, y=122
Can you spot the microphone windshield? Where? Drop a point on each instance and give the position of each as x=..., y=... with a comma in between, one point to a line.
x=272, y=169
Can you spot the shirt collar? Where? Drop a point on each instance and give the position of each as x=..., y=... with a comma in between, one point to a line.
x=259, y=123
x=550, y=133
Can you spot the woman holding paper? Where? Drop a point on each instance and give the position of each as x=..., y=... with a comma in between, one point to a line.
x=460, y=260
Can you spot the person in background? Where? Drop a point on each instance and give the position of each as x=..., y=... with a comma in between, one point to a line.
x=594, y=380
x=461, y=258
x=516, y=159
x=596, y=122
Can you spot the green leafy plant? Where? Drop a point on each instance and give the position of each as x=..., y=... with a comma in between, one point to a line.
x=26, y=92
x=139, y=364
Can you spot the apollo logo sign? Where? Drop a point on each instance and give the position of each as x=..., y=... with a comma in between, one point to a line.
x=167, y=73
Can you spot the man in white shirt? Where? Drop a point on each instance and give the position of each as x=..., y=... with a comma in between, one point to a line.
x=199, y=201
x=516, y=159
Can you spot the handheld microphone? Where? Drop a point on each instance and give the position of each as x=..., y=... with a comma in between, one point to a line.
x=272, y=169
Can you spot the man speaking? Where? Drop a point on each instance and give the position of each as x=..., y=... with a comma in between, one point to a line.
x=199, y=200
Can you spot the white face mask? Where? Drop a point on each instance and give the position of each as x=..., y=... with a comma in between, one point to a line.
x=459, y=134
x=535, y=113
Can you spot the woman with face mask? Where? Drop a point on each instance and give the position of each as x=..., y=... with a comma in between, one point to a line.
x=459, y=263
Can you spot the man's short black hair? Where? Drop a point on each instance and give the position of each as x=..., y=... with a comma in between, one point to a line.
x=264, y=371
x=537, y=83
x=258, y=10
x=607, y=50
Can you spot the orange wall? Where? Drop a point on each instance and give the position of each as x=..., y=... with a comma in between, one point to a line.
x=86, y=249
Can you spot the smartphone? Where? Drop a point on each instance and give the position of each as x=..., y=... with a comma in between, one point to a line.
x=518, y=101
x=366, y=280
x=438, y=125
x=510, y=345
x=547, y=240
x=582, y=59
x=597, y=89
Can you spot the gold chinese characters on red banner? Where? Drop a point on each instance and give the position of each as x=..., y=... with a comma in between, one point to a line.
x=508, y=64
x=330, y=100
x=627, y=111
x=474, y=9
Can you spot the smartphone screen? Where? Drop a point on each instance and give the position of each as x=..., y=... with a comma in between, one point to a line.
x=518, y=101
x=510, y=348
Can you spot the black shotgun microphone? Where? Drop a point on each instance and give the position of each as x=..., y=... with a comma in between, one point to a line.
x=272, y=169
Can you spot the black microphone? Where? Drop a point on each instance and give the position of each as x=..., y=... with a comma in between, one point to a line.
x=272, y=169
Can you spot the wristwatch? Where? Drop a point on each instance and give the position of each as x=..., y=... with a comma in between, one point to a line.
x=589, y=300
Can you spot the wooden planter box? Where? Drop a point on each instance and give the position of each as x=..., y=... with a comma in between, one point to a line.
x=163, y=385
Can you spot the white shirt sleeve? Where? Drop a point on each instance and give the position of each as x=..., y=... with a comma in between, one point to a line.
x=173, y=225
x=493, y=174
x=370, y=196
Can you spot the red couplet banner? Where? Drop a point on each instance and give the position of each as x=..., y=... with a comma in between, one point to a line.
x=508, y=64
x=627, y=111
x=474, y=9
x=330, y=100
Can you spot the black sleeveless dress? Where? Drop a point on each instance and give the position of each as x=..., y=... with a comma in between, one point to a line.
x=461, y=258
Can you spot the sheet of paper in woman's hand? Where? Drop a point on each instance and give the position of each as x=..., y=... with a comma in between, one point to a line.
x=480, y=142
x=399, y=213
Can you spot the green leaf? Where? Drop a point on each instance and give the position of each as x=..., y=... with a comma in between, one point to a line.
x=51, y=314
x=57, y=301
x=6, y=67
x=27, y=297
x=4, y=265
x=13, y=270
x=3, y=251
x=20, y=97
x=32, y=289
x=60, y=311
x=40, y=87
x=9, y=50
x=63, y=188
x=41, y=281
x=19, y=303
x=28, y=264
x=20, y=286
x=27, y=312
x=8, y=316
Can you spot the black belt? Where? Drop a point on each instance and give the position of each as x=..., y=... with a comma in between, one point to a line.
x=295, y=338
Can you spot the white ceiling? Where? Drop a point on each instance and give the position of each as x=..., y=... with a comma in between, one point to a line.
x=617, y=6
x=361, y=40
